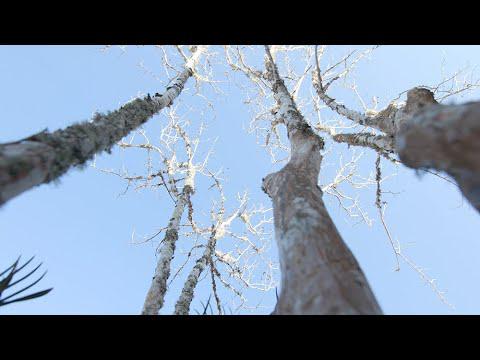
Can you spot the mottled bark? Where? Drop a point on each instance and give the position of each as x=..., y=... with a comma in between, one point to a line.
x=182, y=307
x=158, y=288
x=319, y=274
x=376, y=142
x=218, y=231
x=46, y=156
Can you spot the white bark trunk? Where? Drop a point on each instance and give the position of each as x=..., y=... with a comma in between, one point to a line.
x=319, y=273
x=383, y=143
x=182, y=307
x=158, y=288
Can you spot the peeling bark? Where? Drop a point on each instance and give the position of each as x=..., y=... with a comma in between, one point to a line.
x=46, y=156
x=319, y=273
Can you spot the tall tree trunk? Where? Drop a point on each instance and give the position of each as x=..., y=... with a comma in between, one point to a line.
x=158, y=288
x=182, y=306
x=319, y=274
x=46, y=156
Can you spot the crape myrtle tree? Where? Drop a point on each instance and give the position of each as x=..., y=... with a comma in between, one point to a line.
x=233, y=267
x=297, y=120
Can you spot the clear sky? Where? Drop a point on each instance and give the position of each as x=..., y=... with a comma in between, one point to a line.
x=81, y=228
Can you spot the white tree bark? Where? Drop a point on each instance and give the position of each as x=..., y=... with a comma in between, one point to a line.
x=158, y=288
x=46, y=156
x=182, y=307
x=319, y=273
x=375, y=142
x=156, y=294
x=218, y=231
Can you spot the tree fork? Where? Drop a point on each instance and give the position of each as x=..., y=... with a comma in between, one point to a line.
x=319, y=274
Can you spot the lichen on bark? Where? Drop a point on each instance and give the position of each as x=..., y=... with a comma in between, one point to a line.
x=46, y=156
x=319, y=274
x=154, y=299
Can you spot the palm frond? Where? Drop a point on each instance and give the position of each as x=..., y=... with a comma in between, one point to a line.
x=8, y=283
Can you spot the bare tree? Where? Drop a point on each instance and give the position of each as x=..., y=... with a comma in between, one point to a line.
x=177, y=151
x=240, y=264
x=44, y=157
x=268, y=130
x=319, y=273
x=155, y=296
x=424, y=133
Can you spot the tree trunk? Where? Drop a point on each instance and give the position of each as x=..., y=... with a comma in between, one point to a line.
x=158, y=288
x=319, y=273
x=425, y=135
x=182, y=306
x=46, y=156
x=445, y=138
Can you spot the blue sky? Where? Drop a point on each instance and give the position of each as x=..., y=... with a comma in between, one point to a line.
x=81, y=229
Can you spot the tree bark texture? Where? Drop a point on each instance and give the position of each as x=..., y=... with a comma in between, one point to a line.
x=319, y=274
x=46, y=156
x=182, y=306
x=158, y=288
x=445, y=138
x=424, y=134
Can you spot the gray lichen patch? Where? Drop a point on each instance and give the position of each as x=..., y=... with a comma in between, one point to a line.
x=78, y=143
